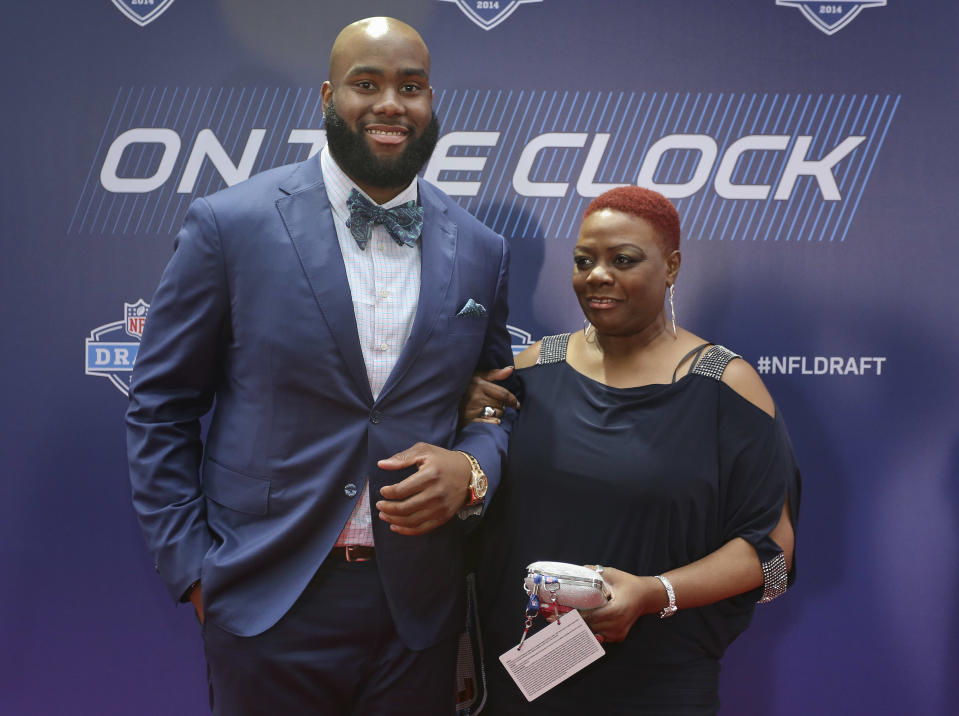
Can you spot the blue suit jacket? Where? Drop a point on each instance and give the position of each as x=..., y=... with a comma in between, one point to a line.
x=253, y=316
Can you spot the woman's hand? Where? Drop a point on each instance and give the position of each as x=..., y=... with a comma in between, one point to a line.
x=482, y=393
x=632, y=598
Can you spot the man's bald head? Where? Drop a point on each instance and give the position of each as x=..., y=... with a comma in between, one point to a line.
x=378, y=105
x=369, y=33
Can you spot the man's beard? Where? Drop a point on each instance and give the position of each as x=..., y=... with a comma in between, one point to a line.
x=351, y=152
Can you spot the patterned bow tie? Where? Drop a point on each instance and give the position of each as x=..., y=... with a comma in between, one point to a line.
x=404, y=222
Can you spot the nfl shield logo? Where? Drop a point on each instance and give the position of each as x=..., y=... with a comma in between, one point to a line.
x=142, y=12
x=831, y=17
x=109, y=353
x=520, y=338
x=135, y=316
x=488, y=13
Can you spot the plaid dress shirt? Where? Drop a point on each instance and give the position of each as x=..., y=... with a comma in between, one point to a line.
x=385, y=284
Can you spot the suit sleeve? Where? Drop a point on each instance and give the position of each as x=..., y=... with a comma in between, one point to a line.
x=174, y=382
x=484, y=441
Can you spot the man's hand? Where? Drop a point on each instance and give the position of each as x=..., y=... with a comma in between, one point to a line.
x=482, y=392
x=196, y=598
x=430, y=496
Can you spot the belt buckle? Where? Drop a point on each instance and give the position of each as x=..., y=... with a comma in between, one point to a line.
x=350, y=550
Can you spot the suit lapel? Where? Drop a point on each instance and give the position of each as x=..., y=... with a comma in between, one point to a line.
x=305, y=211
x=438, y=249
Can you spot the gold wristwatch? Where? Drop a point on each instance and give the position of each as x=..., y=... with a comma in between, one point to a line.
x=478, y=482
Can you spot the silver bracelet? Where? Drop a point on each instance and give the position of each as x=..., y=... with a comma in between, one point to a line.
x=671, y=608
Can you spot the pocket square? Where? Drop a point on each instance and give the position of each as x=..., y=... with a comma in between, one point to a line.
x=472, y=308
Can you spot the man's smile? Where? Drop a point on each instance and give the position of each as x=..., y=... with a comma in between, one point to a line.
x=386, y=134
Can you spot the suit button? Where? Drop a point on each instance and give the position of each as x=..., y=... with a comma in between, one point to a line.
x=376, y=416
x=349, y=490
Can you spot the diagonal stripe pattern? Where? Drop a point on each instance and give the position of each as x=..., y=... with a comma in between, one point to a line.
x=526, y=163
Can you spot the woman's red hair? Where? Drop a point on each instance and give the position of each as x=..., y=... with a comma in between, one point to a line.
x=644, y=204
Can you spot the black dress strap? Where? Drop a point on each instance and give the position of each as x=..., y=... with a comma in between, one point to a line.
x=697, y=351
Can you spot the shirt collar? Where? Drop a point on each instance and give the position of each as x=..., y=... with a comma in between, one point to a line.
x=339, y=185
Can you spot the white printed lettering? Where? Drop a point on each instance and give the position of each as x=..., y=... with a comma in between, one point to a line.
x=879, y=361
x=207, y=145
x=586, y=186
x=441, y=161
x=797, y=165
x=755, y=143
x=708, y=151
x=140, y=185
x=521, y=181
x=316, y=138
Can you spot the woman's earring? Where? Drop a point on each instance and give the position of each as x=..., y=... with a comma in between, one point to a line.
x=586, y=326
x=672, y=307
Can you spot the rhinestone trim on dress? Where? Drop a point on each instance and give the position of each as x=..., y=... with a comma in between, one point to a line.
x=775, y=579
x=714, y=362
x=553, y=349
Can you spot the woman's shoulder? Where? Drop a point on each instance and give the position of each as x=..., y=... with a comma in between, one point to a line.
x=528, y=356
x=718, y=361
x=745, y=381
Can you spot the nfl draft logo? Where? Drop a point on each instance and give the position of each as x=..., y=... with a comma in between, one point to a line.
x=487, y=14
x=831, y=17
x=109, y=353
x=142, y=12
x=521, y=339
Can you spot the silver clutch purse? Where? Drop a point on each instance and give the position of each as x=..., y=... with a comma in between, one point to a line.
x=568, y=586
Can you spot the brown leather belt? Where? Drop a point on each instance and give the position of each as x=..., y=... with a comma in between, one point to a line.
x=354, y=553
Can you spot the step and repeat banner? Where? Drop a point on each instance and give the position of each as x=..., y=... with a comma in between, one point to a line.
x=809, y=146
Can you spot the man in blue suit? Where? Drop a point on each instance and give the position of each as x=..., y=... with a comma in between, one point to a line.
x=331, y=314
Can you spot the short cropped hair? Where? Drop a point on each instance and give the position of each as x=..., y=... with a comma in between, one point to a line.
x=645, y=204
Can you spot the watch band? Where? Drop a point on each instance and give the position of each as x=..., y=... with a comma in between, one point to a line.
x=670, y=608
x=477, y=484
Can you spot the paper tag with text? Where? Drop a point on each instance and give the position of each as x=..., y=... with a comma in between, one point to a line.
x=552, y=655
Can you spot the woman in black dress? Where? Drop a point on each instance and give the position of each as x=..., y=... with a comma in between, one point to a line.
x=644, y=448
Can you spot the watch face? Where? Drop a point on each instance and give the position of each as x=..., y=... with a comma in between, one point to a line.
x=479, y=485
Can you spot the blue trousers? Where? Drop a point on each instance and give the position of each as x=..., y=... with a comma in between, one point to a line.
x=336, y=652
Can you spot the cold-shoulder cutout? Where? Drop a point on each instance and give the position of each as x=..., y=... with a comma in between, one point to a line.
x=743, y=378
x=528, y=356
x=784, y=535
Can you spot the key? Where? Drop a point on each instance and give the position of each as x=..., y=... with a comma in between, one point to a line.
x=529, y=623
x=552, y=586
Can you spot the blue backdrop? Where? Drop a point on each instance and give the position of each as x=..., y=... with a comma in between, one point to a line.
x=810, y=147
